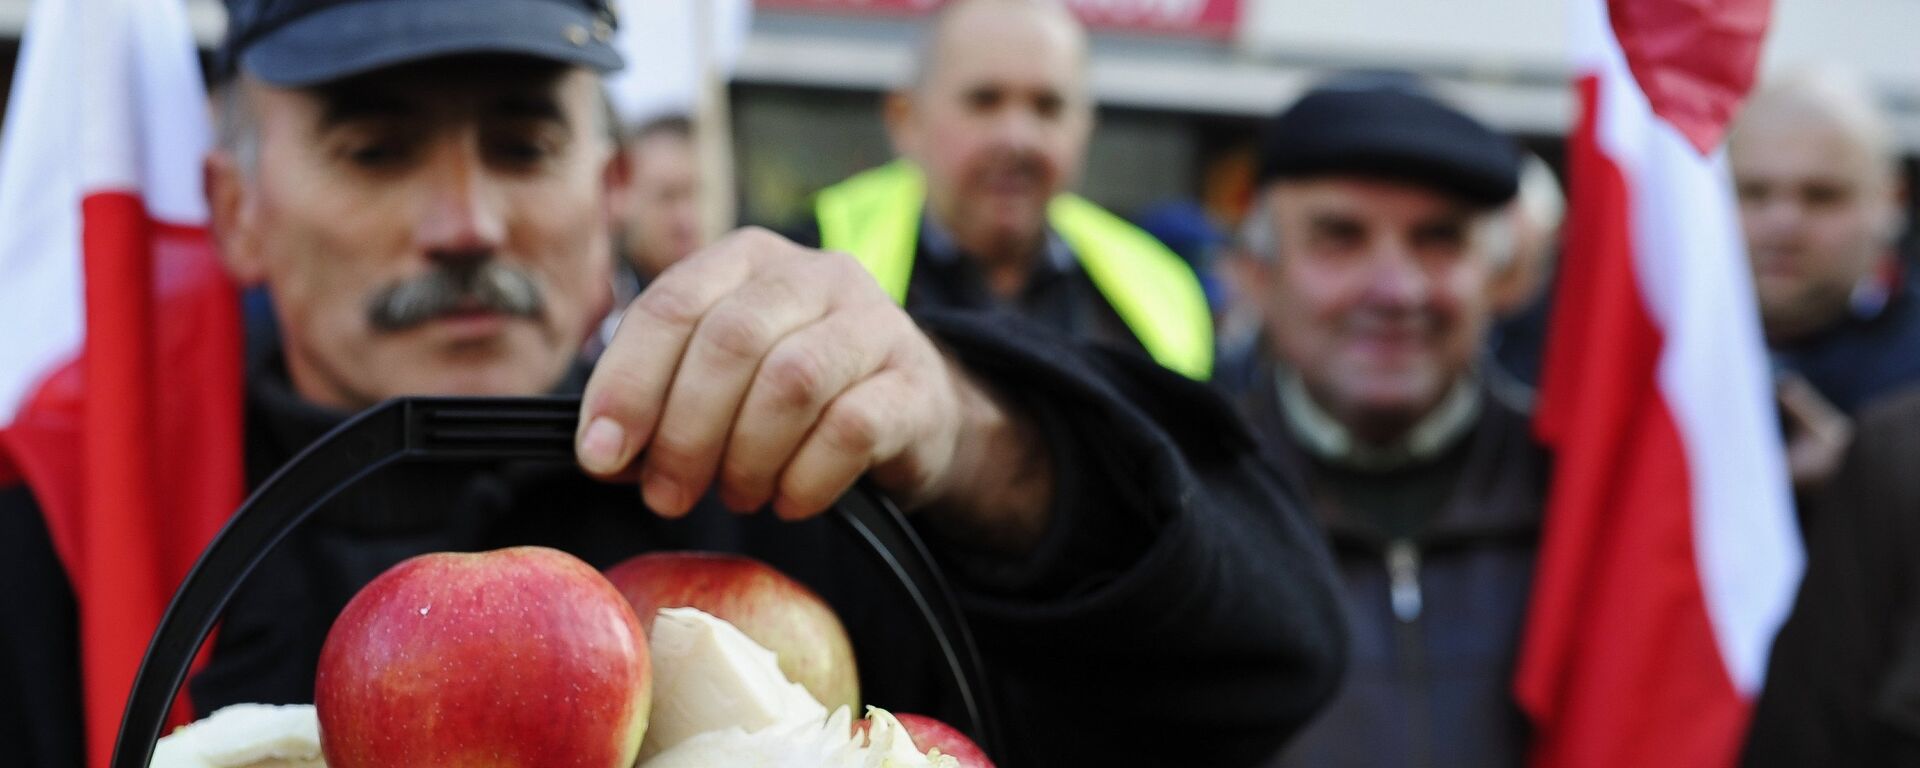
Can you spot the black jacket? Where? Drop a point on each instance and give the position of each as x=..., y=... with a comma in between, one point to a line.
x=1179, y=612
x=1843, y=683
x=1434, y=613
x=1866, y=356
x=1058, y=294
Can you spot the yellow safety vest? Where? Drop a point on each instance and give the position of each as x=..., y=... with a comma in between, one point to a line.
x=875, y=216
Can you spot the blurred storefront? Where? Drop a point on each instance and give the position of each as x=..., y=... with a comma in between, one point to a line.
x=1182, y=83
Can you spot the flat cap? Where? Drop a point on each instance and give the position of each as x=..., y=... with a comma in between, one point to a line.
x=305, y=42
x=1389, y=131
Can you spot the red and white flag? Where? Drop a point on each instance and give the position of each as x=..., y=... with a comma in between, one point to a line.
x=120, y=384
x=1671, y=554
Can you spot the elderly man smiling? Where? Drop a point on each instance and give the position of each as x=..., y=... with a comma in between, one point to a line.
x=1375, y=276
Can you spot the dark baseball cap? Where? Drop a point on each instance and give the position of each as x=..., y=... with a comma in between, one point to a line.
x=298, y=43
x=1384, y=128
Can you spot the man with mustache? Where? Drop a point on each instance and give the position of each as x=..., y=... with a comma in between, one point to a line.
x=426, y=189
x=486, y=286
x=991, y=132
x=1373, y=264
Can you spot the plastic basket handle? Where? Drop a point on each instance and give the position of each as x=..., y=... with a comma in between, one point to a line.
x=446, y=429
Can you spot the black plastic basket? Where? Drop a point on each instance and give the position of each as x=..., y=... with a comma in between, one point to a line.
x=459, y=430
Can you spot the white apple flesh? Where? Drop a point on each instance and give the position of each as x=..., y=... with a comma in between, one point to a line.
x=777, y=612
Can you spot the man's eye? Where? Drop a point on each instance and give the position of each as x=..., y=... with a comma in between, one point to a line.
x=518, y=151
x=377, y=154
x=521, y=149
x=983, y=99
x=1049, y=106
x=1336, y=238
x=1824, y=195
x=1445, y=242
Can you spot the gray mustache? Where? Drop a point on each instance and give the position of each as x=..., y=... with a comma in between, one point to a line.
x=484, y=286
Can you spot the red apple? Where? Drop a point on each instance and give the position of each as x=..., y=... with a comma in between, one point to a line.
x=777, y=612
x=517, y=657
x=929, y=734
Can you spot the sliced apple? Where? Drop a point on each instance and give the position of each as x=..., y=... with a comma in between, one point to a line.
x=245, y=736
x=830, y=742
x=708, y=676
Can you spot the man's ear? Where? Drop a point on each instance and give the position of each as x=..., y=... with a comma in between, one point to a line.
x=616, y=185
x=1893, y=212
x=1251, y=275
x=231, y=213
x=903, y=128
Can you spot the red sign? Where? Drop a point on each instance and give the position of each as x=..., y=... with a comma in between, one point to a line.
x=1179, y=18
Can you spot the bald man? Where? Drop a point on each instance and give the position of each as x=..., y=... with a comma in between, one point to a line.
x=1820, y=202
x=991, y=131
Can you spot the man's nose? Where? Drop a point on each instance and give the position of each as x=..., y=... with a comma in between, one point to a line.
x=1777, y=218
x=1017, y=127
x=462, y=214
x=1395, y=277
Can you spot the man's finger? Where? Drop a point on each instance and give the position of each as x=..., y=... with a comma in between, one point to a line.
x=793, y=386
x=1808, y=413
x=860, y=428
x=629, y=384
x=719, y=364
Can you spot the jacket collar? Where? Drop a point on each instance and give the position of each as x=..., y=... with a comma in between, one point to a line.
x=1329, y=441
x=1500, y=494
x=938, y=246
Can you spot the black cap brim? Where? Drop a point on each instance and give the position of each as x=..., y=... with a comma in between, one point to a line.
x=354, y=38
x=1391, y=134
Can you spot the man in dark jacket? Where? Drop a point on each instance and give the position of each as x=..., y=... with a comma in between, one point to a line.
x=1378, y=202
x=1843, y=683
x=424, y=191
x=1821, y=207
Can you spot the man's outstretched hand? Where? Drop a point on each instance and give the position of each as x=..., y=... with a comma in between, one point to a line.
x=782, y=374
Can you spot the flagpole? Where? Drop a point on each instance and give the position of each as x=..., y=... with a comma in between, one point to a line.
x=713, y=129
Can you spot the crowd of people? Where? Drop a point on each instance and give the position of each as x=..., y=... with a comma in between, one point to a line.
x=1307, y=542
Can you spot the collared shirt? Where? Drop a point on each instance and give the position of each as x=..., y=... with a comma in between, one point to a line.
x=1328, y=440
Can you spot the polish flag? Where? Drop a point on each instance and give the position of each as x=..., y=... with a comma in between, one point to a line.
x=1670, y=554
x=120, y=384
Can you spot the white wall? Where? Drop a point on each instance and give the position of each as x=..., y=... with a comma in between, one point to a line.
x=1492, y=37
x=1524, y=41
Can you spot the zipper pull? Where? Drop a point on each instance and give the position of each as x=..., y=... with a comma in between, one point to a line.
x=1403, y=573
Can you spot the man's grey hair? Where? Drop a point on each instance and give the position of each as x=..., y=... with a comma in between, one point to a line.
x=235, y=128
x=1257, y=237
